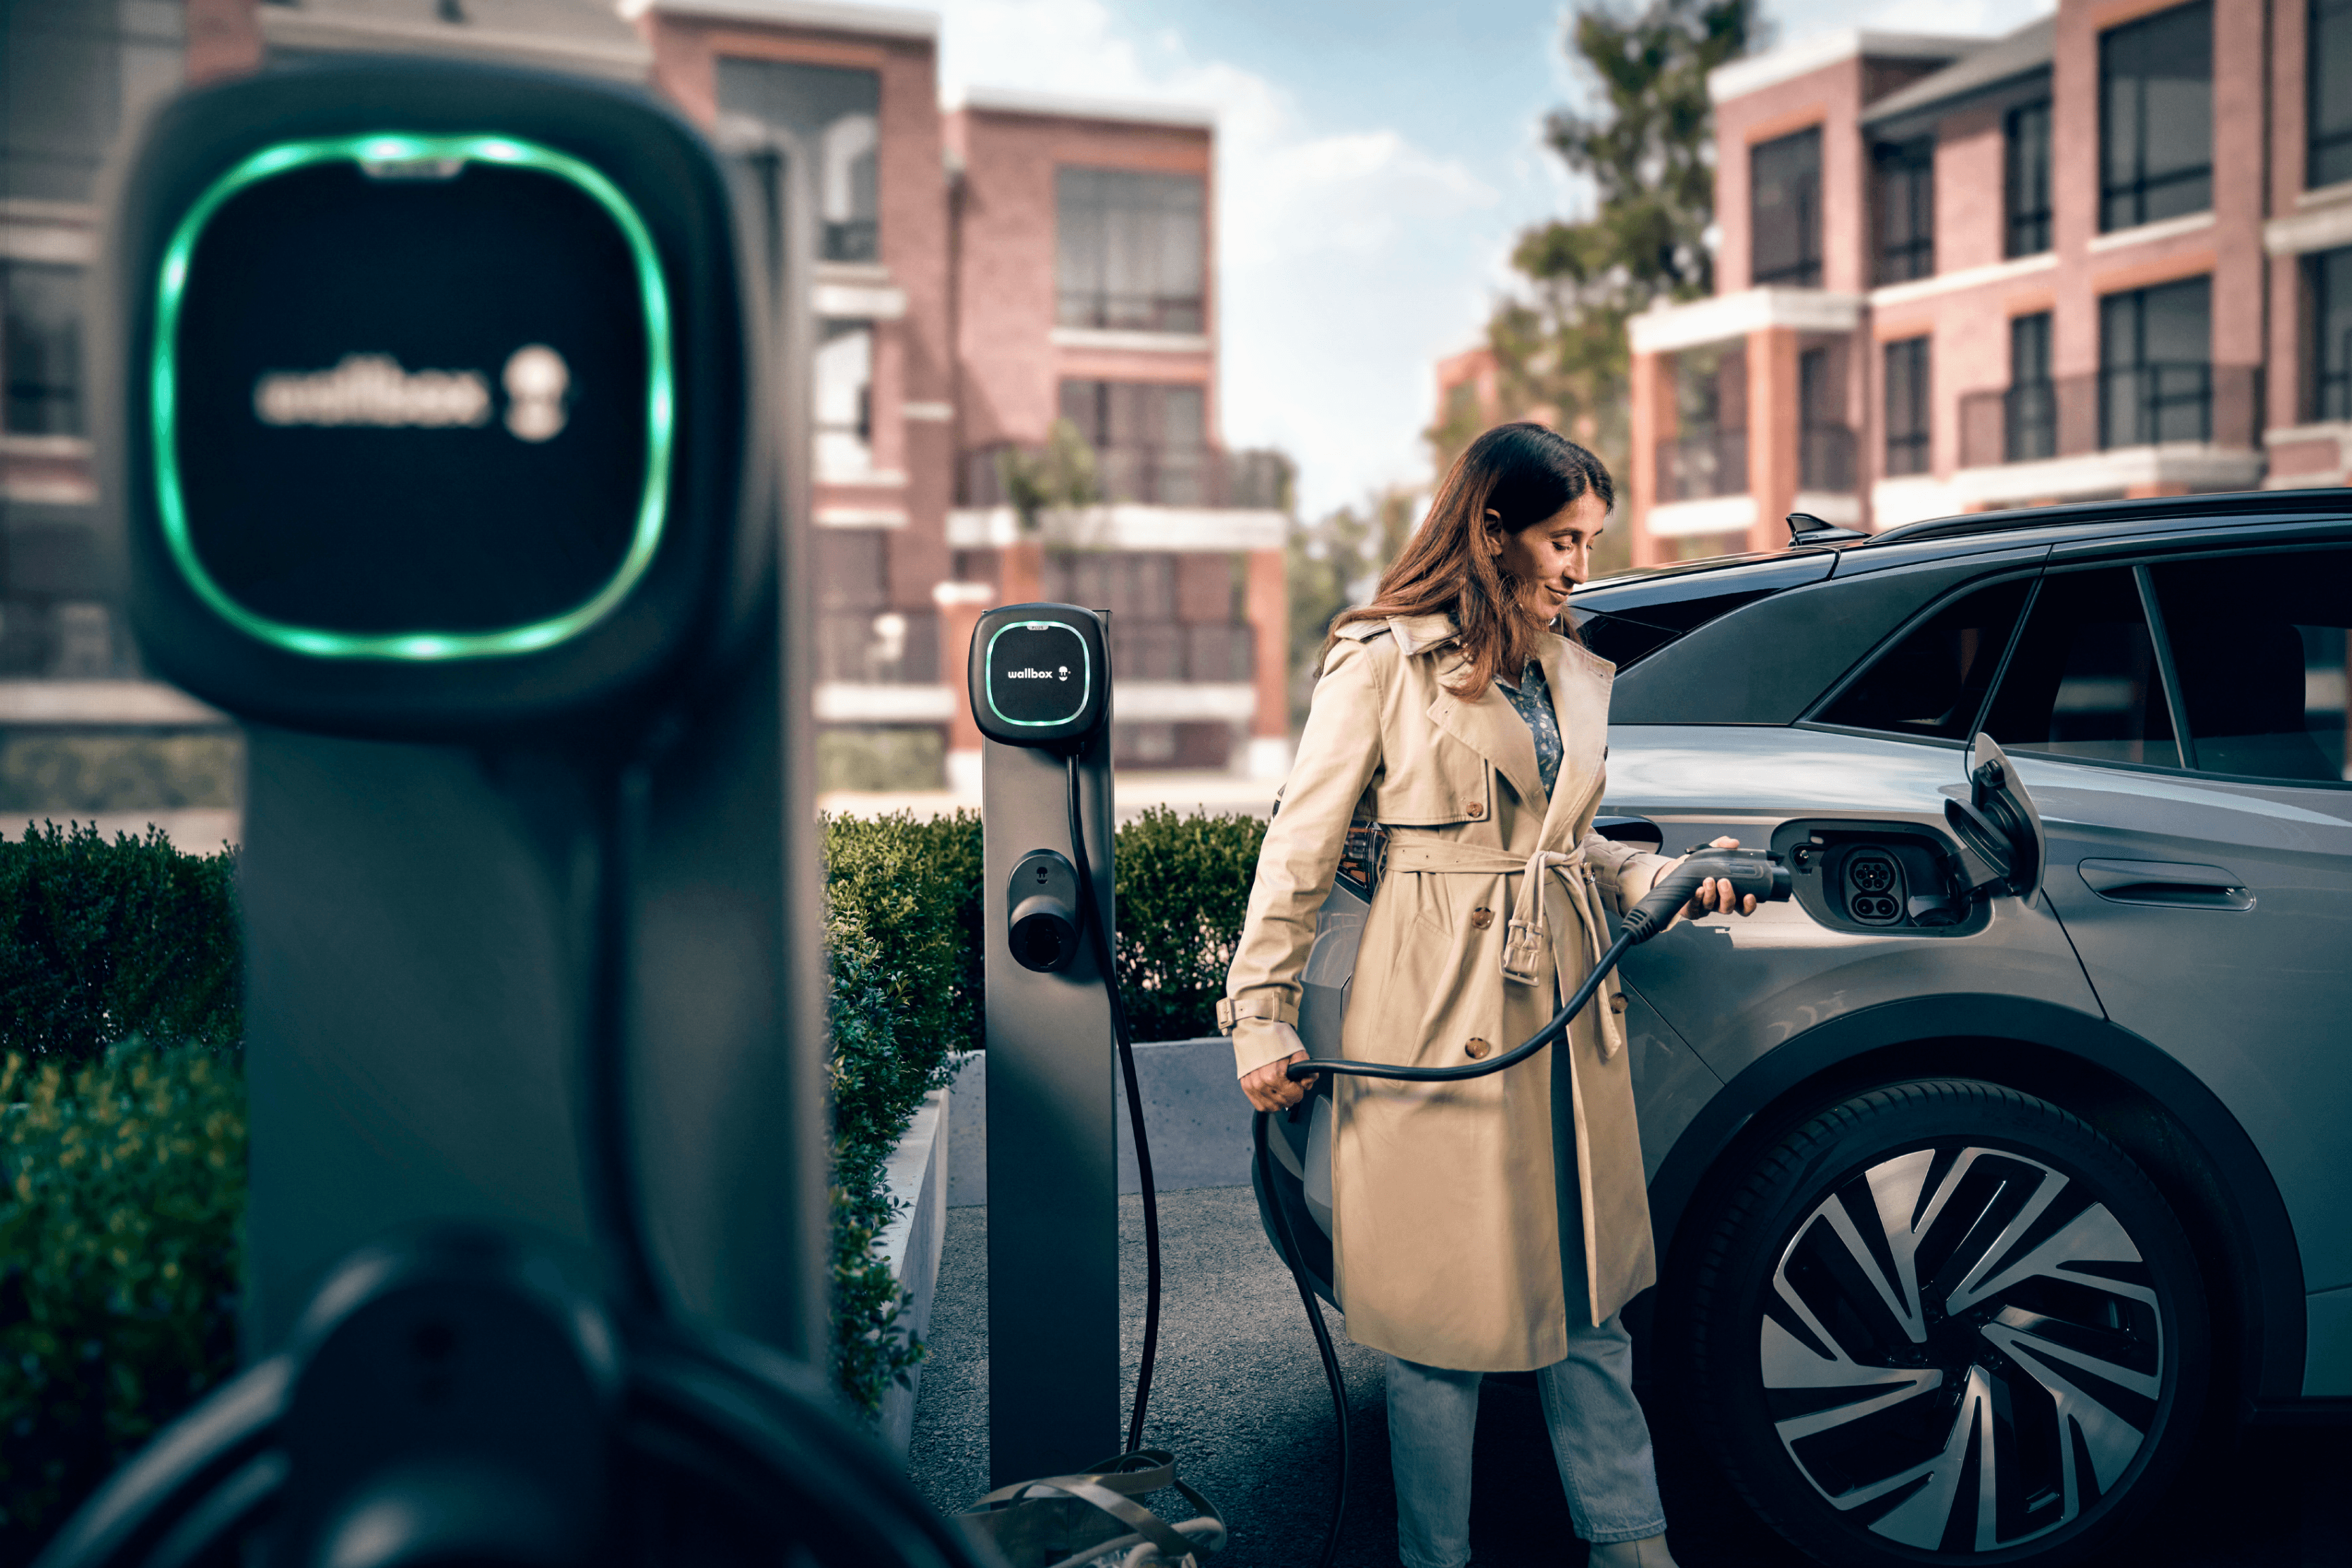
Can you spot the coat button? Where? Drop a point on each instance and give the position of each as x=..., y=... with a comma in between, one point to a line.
x=1617, y=1002
x=1482, y=918
x=1477, y=1050
x=1475, y=808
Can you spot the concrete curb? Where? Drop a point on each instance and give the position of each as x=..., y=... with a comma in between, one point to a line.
x=917, y=1173
x=1196, y=1119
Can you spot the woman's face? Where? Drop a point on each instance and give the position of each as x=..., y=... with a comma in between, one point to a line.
x=1553, y=556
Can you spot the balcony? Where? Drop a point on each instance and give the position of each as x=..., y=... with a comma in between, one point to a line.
x=1150, y=476
x=2172, y=423
x=1107, y=311
x=1702, y=465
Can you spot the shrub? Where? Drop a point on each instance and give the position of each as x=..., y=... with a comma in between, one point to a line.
x=897, y=891
x=100, y=943
x=122, y=1185
x=1183, y=887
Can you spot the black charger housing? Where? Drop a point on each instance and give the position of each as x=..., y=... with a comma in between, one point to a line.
x=1039, y=675
x=429, y=401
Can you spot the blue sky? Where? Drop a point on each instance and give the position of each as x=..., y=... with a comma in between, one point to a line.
x=1376, y=159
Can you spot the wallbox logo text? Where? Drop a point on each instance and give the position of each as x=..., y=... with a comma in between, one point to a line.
x=372, y=390
x=1063, y=673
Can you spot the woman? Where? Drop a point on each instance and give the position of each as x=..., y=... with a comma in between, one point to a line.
x=1450, y=712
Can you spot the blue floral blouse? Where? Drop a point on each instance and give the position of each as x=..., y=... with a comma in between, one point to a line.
x=1532, y=696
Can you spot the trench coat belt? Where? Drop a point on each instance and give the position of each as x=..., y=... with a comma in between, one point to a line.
x=1528, y=934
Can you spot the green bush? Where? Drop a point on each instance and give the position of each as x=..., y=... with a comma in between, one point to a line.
x=101, y=942
x=122, y=1188
x=1183, y=887
x=904, y=997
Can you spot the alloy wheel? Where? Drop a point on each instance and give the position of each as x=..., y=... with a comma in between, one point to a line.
x=1961, y=1348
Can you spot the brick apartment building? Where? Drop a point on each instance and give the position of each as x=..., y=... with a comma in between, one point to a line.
x=985, y=271
x=2107, y=254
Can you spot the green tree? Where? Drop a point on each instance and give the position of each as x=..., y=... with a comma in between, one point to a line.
x=1648, y=148
x=1335, y=562
x=1061, y=474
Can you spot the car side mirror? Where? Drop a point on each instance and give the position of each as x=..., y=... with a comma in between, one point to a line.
x=1996, y=818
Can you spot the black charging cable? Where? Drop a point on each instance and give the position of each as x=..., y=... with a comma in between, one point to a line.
x=1091, y=915
x=607, y=1147
x=1748, y=872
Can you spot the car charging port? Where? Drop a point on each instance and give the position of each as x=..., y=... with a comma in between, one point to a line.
x=1878, y=876
x=1873, y=880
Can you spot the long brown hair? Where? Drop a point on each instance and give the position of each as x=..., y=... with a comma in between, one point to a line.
x=1523, y=474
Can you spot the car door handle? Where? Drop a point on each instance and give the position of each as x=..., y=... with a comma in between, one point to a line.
x=2164, y=882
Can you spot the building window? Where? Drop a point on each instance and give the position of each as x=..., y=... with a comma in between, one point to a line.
x=1150, y=439
x=1825, y=442
x=844, y=401
x=1906, y=209
x=1131, y=250
x=1784, y=186
x=2028, y=179
x=1908, y=448
x=2031, y=409
x=835, y=114
x=2328, y=278
x=2155, y=364
x=2328, y=95
x=40, y=348
x=2156, y=118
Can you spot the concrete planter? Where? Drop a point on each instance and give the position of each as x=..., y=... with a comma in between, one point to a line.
x=917, y=1177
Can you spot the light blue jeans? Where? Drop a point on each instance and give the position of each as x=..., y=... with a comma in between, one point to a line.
x=1599, y=1436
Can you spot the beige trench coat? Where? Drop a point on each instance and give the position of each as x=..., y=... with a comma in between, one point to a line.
x=1446, y=1197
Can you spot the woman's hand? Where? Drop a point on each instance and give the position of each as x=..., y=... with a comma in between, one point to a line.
x=1714, y=895
x=1268, y=1089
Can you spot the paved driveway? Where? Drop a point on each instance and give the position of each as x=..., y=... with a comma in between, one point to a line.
x=1240, y=1398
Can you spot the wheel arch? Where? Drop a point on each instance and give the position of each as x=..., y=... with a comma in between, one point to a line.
x=2159, y=1111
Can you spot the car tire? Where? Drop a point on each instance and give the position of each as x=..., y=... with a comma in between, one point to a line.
x=1945, y=1322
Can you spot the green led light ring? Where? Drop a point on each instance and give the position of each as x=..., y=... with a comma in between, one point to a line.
x=1086, y=669
x=660, y=397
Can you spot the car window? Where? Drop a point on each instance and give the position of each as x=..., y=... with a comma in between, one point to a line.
x=1625, y=639
x=2083, y=681
x=1933, y=682
x=2258, y=646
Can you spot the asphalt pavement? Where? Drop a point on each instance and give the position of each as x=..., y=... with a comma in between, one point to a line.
x=1239, y=1396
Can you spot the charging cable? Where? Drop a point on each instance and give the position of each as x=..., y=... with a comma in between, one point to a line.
x=1090, y=916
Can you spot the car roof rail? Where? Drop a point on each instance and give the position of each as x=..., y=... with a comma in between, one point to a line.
x=2238, y=503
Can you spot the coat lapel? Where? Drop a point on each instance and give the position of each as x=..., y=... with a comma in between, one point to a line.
x=1579, y=700
x=1490, y=727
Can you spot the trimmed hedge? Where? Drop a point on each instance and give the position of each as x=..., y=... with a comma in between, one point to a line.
x=101, y=943
x=904, y=996
x=1183, y=886
x=122, y=1193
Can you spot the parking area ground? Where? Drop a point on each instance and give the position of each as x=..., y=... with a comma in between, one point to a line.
x=1239, y=1396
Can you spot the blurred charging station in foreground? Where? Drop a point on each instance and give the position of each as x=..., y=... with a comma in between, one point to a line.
x=451, y=437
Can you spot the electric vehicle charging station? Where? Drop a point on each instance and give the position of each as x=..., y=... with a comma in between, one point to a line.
x=442, y=451
x=1041, y=692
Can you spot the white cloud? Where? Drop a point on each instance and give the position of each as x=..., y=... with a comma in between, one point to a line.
x=1348, y=259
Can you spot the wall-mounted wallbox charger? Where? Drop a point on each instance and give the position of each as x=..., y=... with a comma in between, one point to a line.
x=436, y=416
x=1039, y=675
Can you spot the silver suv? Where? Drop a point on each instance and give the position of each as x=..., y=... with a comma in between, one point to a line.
x=1975, y=1210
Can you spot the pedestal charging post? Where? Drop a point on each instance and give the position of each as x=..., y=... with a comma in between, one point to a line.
x=445, y=460
x=1041, y=691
